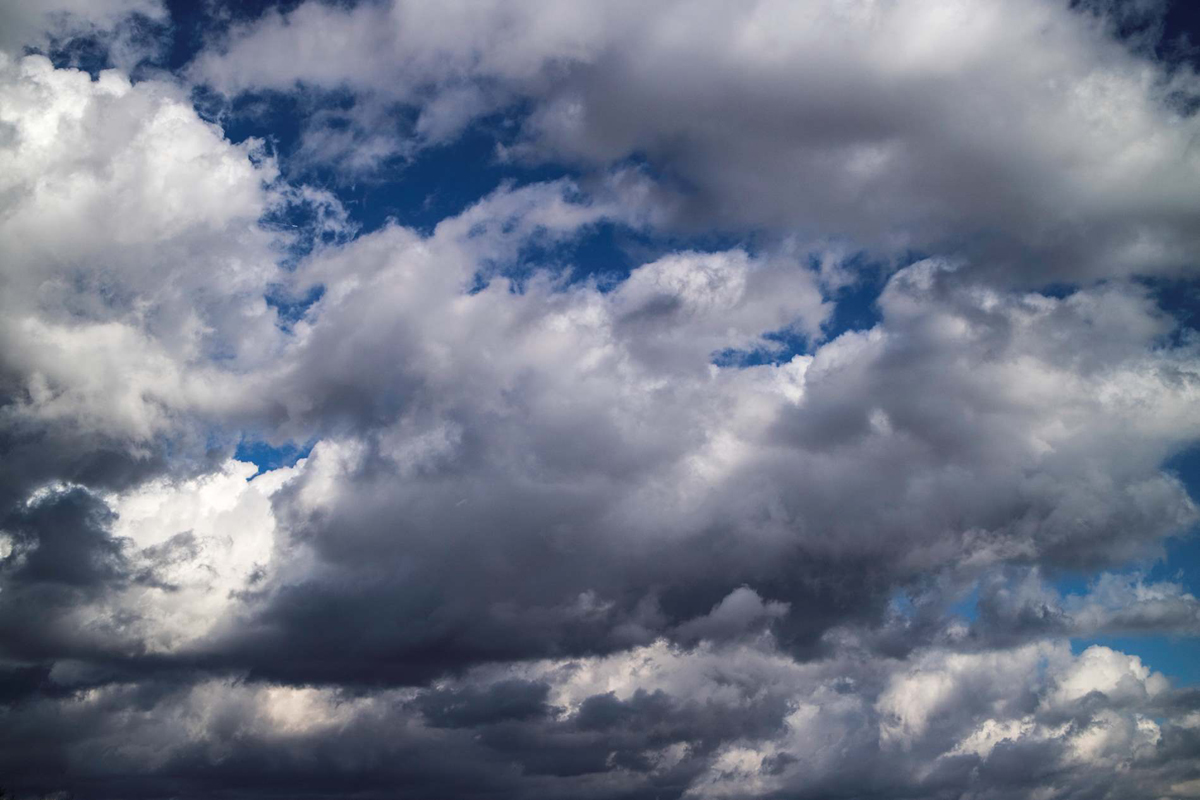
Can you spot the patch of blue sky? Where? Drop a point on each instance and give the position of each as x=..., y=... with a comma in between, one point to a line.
x=856, y=304
x=779, y=347
x=902, y=605
x=415, y=188
x=967, y=606
x=604, y=253
x=87, y=54
x=291, y=309
x=1058, y=291
x=267, y=456
x=594, y=254
x=1179, y=297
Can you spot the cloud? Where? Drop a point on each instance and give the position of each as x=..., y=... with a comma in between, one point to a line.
x=472, y=438
x=741, y=611
x=137, y=261
x=583, y=434
x=122, y=205
x=1020, y=133
x=1112, y=605
x=730, y=721
x=669, y=531
x=61, y=23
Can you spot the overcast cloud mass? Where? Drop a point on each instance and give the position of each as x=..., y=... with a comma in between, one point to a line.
x=599, y=399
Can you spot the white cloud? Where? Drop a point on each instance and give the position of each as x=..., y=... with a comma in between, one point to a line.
x=1101, y=669
x=132, y=255
x=195, y=549
x=1021, y=132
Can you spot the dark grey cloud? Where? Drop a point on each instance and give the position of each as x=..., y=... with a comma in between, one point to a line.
x=62, y=538
x=673, y=722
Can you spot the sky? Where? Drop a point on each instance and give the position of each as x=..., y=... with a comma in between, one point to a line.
x=600, y=399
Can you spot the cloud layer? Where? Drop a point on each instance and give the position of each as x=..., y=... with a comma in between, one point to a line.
x=1020, y=131
x=672, y=531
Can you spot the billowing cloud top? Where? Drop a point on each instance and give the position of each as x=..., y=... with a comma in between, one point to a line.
x=600, y=400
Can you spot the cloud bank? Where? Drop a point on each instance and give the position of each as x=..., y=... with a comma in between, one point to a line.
x=670, y=529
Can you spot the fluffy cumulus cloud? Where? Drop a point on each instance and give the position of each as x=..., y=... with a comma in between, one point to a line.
x=823, y=483
x=1018, y=130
